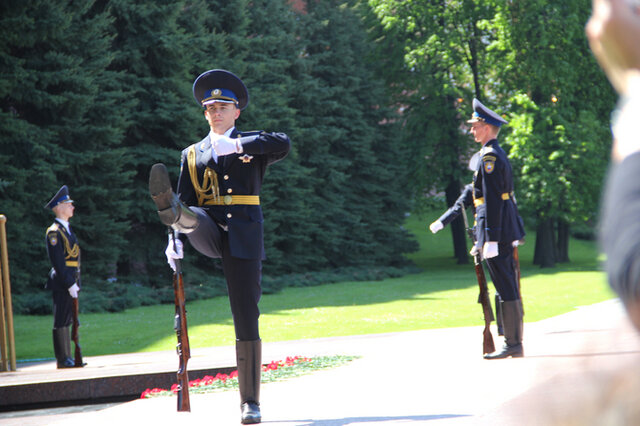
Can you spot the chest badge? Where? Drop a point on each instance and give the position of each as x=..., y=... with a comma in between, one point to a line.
x=246, y=158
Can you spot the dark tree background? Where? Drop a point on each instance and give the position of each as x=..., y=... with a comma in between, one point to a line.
x=372, y=93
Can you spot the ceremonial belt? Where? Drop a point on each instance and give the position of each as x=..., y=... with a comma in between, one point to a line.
x=228, y=200
x=480, y=201
x=72, y=263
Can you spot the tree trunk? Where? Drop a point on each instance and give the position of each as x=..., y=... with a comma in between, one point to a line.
x=562, y=247
x=545, y=253
x=457, y=226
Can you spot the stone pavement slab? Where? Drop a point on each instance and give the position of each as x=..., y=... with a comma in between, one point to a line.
x=425, y=377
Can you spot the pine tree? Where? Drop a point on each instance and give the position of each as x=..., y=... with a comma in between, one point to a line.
x=156, y=58
x=60, y=125
x=272, y=73
x=361, y=201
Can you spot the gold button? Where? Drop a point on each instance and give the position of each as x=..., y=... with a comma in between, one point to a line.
x=226, y=177
x=229, y=191
x=227, y=199
x=229, y=215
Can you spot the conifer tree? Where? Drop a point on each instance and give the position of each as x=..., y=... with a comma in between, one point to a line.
x=156, y=57
x=350, y=153
x=272, y=71
x=60, y=124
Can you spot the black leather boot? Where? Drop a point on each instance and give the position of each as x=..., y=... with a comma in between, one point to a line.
x=513, y=328
x=62, y=347
x=171, y=210
x=249, y=357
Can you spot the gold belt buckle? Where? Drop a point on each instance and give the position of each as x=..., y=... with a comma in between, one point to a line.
x=227, y=199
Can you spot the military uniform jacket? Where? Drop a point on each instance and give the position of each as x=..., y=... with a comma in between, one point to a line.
x=497, y=216
x=64, y=253
x=207, y=183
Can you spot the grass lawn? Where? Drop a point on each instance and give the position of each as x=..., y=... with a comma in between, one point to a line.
x=444, y=294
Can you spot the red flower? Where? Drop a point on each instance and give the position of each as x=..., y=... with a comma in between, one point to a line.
x=151, y=391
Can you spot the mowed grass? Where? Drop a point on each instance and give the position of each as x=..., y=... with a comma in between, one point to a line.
x=443, y=294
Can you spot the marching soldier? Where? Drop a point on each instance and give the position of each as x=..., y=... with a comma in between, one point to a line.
x=64, y=253
x=217, y=207
x=498, y=225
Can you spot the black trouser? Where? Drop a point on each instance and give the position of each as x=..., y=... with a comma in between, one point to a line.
x=503, y=273
x=243, y=275
x=62, y=308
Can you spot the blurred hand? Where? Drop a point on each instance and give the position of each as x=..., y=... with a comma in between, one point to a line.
x=224, y=145
x=474, y=251
x=436, y=226
x=613, y=32
x=490, y=249
x=73, y=290
x=173, y=252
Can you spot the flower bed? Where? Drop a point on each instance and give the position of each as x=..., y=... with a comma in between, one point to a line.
x=274, y=371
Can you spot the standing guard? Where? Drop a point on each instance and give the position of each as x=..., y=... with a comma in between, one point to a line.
x=498, y=226
x=64, y=254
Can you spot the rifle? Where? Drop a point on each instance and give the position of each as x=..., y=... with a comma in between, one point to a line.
x=76, y=324
x=483, y=296
x=516, y=261
x=180, y=325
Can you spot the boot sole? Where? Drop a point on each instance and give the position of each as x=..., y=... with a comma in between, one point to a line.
x=160, y=186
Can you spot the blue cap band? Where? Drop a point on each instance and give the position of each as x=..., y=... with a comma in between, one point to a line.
x=219, y=95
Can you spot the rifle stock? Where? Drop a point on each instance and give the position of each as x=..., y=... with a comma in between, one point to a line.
x=76, y=324
x=182, y=348
x=74, y=334
x=483, y=297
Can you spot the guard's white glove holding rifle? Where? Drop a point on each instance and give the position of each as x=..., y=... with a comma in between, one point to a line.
x=474, y=251
x=490, y=249
x=436, y=226
x=73, y=290
x=174, y=251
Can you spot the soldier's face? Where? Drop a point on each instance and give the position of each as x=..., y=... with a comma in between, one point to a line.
x=480, y=131
x=221, y=116
x=64, y=211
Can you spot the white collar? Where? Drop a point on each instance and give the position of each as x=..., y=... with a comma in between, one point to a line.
x=64, y=223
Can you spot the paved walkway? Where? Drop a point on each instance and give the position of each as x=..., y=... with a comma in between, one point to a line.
x=574, y=366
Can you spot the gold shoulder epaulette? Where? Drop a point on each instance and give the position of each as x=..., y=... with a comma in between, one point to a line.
x=52, y=228
x=488, y=150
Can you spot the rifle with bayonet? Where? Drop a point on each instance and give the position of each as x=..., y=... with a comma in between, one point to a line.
x=180, y=325
x=76, y=323
x=483, y=296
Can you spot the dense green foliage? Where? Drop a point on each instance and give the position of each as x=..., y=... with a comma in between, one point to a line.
x=372, y=93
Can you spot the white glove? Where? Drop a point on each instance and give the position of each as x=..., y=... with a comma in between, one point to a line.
x=474, y=251
x=73, y=290
x=436, y=226
x=224, y=145
x=174, y=252
x=490, y=249
x=516, y=243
